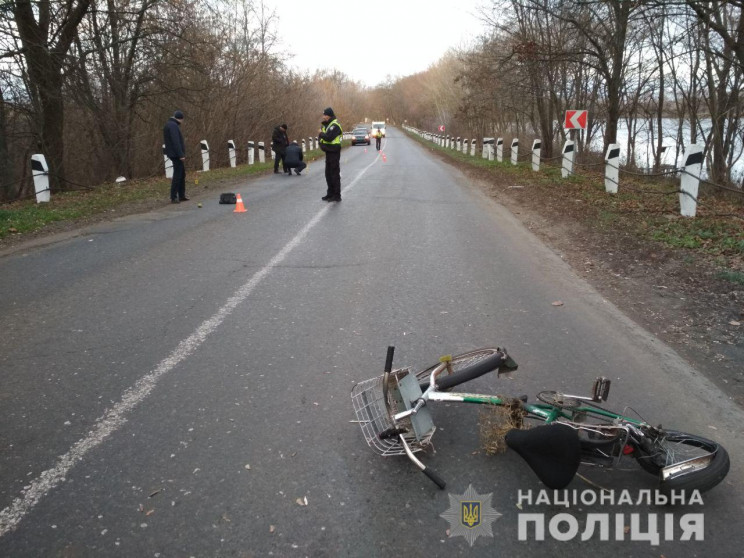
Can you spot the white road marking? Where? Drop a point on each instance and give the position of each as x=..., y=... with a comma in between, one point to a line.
x=115, y=417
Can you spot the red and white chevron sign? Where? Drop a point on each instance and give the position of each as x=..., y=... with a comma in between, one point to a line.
x=441, y=128
x=575, y=120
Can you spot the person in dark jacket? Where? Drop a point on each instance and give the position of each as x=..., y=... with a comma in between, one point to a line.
x=293, y=159
x=175, y=150
x=279, y=143
x=330, y=137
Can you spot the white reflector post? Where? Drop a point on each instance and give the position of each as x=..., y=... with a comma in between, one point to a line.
x=315, y=143
x=304, y=146
x=473, y=145
x=168, y=164
x=261, y=152
x=40, y=172
x=690, y=180
x=489, y=147
x=568, y=159
x=500, y=150
x=251, y=152
x=514, y=151
x=205, y=155
x=465, y=146
x=536, y=148
x=612, y=168
x=231, y=153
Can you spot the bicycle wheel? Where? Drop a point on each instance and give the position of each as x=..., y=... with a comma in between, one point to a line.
x=685, y=462
x=458, y=363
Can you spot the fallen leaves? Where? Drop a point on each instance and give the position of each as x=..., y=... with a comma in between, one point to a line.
x=558, y=303
x=301, y=501
x=734, y=323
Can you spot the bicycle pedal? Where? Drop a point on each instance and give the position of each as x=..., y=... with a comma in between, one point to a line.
x=601, y=389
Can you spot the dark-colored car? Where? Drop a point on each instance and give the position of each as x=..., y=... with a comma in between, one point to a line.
x=360, y=135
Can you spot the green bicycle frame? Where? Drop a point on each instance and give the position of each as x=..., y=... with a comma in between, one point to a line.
x=543, y=411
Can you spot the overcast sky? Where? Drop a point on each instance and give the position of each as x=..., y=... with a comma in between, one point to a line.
x=371, y=39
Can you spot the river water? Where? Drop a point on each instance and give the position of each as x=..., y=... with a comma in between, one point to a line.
x=644, y=140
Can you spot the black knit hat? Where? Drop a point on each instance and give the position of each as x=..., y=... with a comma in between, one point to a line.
x=329, y=112
x=284, y=126
x=178, y=114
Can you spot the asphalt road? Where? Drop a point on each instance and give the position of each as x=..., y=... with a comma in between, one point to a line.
x=177, y=383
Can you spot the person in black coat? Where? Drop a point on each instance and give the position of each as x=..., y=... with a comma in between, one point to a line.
x=293, y=159
x=279, y=143
x=175, y=150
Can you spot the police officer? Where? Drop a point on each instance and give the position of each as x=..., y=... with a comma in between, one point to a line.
x=330, y=138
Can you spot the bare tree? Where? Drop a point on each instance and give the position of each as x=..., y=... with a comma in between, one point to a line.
x=47, y=29
x=113, y=68
x=6, y=168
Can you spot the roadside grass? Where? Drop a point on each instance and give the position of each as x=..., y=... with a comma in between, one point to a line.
x=732, y=276
x=26, y=216
x=648, y=207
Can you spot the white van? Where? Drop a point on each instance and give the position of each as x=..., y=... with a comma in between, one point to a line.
x=378, y=126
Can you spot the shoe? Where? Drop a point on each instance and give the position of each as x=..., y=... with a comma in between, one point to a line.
x=326, y=198
x=175, y=201
x=297, y=172
x=335, y=199
x=185, y=198
x=276, y=172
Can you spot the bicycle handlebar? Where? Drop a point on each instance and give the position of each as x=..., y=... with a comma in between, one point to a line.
x=389, y=359
x=470, y=373
x=439, y=481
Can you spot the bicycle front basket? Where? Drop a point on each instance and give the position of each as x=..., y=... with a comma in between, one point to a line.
x=374, y=415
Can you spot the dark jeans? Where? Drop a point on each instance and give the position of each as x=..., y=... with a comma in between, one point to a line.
x=378, y=141
x=178, y=183
x=298, y=166
x=333, y=173
x=279, y=156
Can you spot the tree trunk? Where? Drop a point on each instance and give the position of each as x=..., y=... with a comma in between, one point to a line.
x=52, y=122
x=44, y=61
x=6, y=169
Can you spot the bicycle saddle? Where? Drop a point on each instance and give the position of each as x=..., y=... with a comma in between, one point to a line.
x=552, y=451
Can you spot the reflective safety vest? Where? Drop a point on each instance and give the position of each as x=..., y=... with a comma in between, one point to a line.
x=338, y=138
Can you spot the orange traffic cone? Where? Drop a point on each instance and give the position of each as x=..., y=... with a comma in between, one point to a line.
x=384, y=158
x=239, y=207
